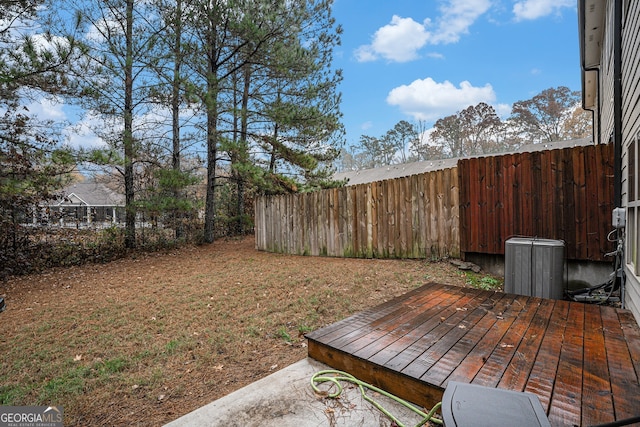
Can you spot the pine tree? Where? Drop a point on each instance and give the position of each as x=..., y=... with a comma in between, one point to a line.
x=33, y=162
x=115, y=79
x=275, y=55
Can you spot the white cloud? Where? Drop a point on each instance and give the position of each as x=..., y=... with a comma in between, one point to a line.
x=429, y=100
x=98, y=31
x=426, y=137
x=366, y=125
x=44, y=42
x=87, y=141
x=76, y=133
x=503, y=110
x=81, y=134
x=534, y=9
x=398, y=41
x=402, y=38
x=365, y=53
x=457, y=17
x=48, y=109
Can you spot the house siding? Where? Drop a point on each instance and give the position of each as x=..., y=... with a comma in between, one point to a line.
x=630, y=130
x=631, y=75
x=606, y=79
x=630, y=118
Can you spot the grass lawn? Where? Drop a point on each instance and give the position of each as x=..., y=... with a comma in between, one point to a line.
x=146, y=339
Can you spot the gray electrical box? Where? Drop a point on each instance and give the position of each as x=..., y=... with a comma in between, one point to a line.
x=534, y=267
x=469, y=405
x=618, y=219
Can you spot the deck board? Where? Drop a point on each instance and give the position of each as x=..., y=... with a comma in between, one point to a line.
x=474, y=361
x=582, y=361
x=545, y=367
x=367, y=317
x=443, y=337
x=567, y=392
x=515, y=377
x=384, y=334
x=496, y=364
x=596, y=386
x=427, y=334
x=402, y=339
x=625, y=388
x=463, y=349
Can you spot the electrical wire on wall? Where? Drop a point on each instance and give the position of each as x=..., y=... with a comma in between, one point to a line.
x=612, y=291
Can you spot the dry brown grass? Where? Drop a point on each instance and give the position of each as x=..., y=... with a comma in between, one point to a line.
x=144, y=340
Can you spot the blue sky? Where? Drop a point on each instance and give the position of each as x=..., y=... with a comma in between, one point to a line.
x=426, y=59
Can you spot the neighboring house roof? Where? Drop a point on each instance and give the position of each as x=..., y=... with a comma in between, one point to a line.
x=407, y=169
x=394, y=171
x=89, y=194
x=544, y=146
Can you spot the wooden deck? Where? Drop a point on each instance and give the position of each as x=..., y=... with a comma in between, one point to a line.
x=582, y=361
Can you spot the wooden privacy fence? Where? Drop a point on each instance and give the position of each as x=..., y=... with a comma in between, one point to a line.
x=557, y=194
x=564, y=194
x=410, y=217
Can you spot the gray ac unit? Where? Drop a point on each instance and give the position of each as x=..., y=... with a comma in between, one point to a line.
x=534, y=267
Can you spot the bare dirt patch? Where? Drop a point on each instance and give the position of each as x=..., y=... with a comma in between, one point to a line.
x=146, y=339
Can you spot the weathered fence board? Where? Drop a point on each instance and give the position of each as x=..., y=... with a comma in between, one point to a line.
x=562, y=194
x=411, y=217
x=557, y=194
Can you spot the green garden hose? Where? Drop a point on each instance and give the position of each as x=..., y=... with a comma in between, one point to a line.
x=336, y=377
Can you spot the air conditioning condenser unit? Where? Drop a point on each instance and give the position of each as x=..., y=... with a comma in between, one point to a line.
x=534, y=267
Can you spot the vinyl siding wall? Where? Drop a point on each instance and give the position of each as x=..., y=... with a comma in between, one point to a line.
x=630, y=133
x=630, y=129
x=606, y=79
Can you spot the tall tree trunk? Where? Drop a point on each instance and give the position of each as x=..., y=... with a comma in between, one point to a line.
x=274, y=150
x=127, y=137
x=243, y=147
x=175, y=115
x=212, y=142
x=212, y=152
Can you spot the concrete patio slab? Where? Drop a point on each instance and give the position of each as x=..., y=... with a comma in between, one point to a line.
x=286, y=399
